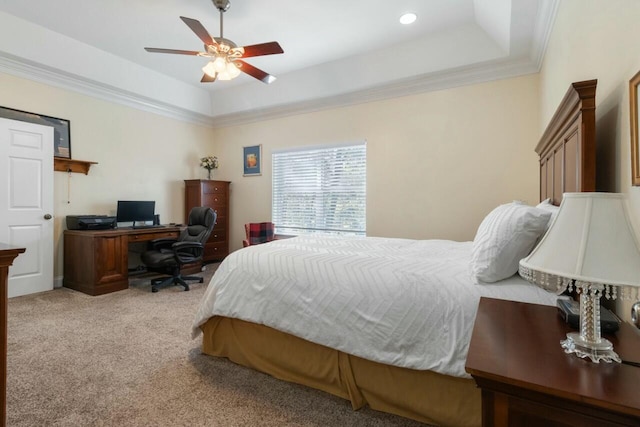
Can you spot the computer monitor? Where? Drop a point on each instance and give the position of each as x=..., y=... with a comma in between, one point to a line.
x=135, y=211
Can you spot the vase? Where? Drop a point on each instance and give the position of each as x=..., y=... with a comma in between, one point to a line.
x=208, y=173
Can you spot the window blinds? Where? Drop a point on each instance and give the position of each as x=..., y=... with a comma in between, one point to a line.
x=320, y=190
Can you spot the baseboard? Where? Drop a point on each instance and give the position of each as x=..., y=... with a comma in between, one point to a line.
x=57, y=282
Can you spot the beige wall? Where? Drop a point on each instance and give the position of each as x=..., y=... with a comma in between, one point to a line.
x=437, y=162
x=140, y=155
x=598, y=39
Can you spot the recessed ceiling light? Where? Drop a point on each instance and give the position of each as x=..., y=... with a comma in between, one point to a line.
x=408, y=18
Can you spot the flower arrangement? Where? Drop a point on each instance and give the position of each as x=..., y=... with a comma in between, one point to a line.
x=209, y=163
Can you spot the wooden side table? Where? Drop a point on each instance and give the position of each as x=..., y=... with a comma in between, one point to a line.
x=527, y=379
x=7, y=255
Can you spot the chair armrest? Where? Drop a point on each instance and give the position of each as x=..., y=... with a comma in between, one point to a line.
x=163, y=243
x=178, y=246
x=187, y=252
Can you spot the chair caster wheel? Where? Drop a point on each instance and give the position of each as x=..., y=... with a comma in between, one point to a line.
x=154, y=290
x=201, y=280
x=186, y=288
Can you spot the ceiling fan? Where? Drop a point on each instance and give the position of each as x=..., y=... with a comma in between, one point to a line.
x=226, y=57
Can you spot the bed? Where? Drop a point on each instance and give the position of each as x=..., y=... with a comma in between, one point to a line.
x=381, y=322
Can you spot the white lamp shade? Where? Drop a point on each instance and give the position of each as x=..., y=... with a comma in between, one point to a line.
x=592, y=239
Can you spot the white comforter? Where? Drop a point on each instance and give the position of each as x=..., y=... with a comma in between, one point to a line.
x=408, y=303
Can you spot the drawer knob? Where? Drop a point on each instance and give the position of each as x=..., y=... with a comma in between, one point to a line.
x=215, y=188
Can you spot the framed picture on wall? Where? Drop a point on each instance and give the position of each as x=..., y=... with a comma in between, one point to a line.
x=634, y=111
x=252, y=158
x=61, y=128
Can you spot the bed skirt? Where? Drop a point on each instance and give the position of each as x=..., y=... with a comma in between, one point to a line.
x=424, y=396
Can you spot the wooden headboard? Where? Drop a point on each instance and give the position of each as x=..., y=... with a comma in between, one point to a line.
x=567, y=148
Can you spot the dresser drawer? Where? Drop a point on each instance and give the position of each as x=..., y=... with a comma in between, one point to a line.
x=212, y=188
x=214, y=200
x=218, y=234
x=221, y=221
x=216, y=250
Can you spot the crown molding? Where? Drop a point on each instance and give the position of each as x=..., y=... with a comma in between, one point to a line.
x=477, y=73
x=41, y=73
x=542, y=31
x=447, y=79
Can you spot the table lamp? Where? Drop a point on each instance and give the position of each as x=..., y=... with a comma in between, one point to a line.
x=591, y=247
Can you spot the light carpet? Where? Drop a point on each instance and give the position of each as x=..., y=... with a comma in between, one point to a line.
x=126, y=359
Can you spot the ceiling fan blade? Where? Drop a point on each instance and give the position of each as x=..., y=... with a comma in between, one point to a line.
x=270, y=48
x=178, y=52
x=206, y=78
x=200, y=31
x=255, y=72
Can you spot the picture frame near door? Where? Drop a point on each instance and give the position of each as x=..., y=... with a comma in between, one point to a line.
x=61, y=128
x=634, y=112
x=252, y=158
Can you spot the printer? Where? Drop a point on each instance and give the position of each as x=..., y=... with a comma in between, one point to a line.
x=90, y=222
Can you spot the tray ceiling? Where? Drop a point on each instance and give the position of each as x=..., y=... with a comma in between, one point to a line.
x=336, y=52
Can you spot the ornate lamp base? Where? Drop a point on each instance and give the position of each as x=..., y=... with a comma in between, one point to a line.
x=596, y=351
x=589, y=342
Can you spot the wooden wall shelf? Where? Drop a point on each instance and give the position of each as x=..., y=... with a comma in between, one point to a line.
x=70, y=165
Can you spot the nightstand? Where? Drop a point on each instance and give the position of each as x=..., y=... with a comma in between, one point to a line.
x=527, y=380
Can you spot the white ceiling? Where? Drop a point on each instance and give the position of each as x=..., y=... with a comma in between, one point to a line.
x=336, y=52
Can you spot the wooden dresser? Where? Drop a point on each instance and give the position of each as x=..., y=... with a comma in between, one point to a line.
x=528, y=380
x=214, y=194
x=7, y=255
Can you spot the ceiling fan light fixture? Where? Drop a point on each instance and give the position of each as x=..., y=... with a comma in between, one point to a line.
x=209, y=69
x=224, y=75
x=232, y=70
x=408, y=18
x=221, y=69
x=220, y=64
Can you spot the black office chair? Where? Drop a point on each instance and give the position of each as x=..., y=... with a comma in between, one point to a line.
x=169, y=255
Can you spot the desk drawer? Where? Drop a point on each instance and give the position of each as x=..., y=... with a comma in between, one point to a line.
x=142, y=237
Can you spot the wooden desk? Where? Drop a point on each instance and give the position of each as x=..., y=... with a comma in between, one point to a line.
x=97, y=262
x=7, y=255
x=527, y=379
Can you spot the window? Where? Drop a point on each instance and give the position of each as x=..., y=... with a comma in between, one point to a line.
x=320, y=190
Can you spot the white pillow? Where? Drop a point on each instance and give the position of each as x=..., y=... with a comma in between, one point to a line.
x=504, y=237
x=549, y=207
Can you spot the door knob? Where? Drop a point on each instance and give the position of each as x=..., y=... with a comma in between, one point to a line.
x=47, y=216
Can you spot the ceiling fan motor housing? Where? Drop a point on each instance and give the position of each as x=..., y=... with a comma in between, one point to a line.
x=222, y=5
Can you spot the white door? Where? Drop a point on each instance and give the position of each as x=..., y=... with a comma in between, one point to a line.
x=26, y=203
